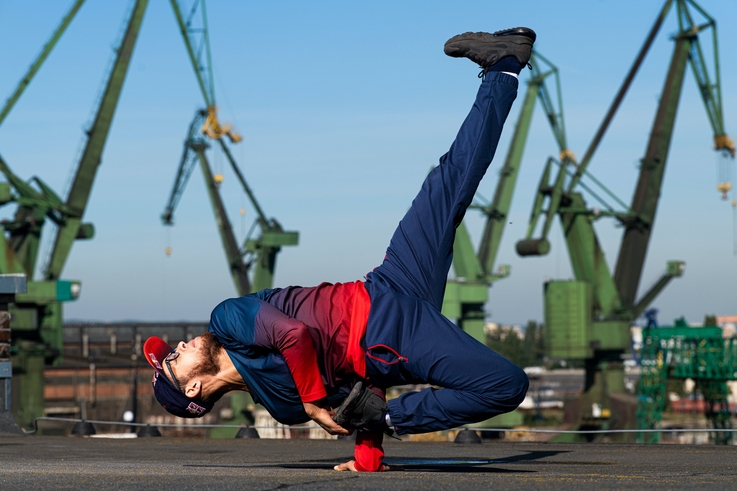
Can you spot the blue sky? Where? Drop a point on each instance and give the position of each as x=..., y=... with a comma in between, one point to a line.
x=344, y=107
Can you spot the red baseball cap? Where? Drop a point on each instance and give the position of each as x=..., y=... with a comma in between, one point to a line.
x=170, y=397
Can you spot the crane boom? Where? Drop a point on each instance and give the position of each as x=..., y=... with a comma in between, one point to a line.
x=184, y=171
x=652, y=169
x=92, y=154
x=208, y=92
x=238, y=270
x=499, y=209
x=26, y=80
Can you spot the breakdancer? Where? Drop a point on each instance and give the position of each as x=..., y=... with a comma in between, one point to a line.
x=329, y=352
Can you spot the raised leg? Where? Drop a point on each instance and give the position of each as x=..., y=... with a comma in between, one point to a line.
x=421, y=251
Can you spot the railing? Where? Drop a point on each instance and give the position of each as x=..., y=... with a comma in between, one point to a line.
x=278, y=430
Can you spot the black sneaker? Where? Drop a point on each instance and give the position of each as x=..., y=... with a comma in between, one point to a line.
x=488, y=48
x=362, y=410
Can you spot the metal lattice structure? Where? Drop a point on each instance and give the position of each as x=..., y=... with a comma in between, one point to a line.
x=681, y=352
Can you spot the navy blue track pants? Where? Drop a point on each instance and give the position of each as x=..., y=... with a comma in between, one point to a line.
x=408, y=340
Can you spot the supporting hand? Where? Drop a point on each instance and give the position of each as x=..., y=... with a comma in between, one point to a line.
x=346, y=466
x=351, y=466
x=322, y=414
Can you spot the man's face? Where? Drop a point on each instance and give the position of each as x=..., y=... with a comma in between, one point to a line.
x=194, y=358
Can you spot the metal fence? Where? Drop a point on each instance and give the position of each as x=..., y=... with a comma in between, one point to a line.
x=96, y=339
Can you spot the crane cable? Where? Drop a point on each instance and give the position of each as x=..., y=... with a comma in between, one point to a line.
x=167, y=249
x=164, y=273
x=734, y=226
x=725, y=146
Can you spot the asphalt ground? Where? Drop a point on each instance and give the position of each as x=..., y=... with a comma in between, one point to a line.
x=47, y=462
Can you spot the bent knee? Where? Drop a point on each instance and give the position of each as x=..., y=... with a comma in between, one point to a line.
x=512, y=391
x=518, y=385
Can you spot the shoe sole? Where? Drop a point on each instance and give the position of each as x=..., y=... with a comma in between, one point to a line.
x=521, y=31
x=497, y=36
x=459, y=45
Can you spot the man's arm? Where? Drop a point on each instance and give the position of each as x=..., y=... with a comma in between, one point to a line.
x=276, y=330
x=291, y=338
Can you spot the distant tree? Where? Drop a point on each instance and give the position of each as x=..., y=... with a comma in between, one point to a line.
x=506, y=342
x=515, y=347
x=540, y=343
x=535, y=343
x=710, y=320
x=523, y=352
x=530, y=336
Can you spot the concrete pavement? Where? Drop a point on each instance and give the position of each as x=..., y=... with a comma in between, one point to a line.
x=45, y=462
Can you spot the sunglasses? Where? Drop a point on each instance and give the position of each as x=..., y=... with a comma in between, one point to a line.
x=170, y=358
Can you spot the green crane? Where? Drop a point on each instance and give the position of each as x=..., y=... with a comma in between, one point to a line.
x=37, y=315
x=466, y=295
x=589, y=318
x=263, y=250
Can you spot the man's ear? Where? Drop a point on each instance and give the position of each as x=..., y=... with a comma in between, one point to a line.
x=193, y=388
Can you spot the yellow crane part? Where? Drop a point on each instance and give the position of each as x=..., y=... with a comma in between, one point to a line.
x=212, y=128
x=723, y=142
x=567, y=154
x=724, y=188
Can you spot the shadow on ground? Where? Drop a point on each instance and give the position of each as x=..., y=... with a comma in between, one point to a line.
x=463, y=465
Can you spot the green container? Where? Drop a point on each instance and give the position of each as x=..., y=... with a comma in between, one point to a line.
x=567, y=322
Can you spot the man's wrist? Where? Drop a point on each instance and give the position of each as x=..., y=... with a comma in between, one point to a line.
x=313, y=408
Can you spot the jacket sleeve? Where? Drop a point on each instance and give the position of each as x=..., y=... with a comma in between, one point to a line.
x=368, y=452
x=275, y=330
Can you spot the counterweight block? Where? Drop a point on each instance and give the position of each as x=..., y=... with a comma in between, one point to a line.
x=533, y=247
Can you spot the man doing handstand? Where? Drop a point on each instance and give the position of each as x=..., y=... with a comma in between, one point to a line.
x=301, y=352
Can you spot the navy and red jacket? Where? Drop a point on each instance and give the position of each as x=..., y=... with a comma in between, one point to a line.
x=297, y=345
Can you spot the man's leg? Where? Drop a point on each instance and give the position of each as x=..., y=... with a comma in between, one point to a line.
x=421, y=251
x=407, y=339
x=476, y=382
